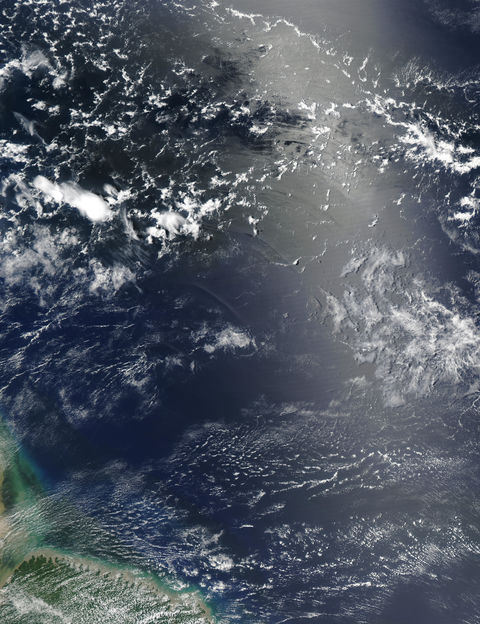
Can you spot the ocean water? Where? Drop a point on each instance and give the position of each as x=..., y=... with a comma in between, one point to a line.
x=239, y=288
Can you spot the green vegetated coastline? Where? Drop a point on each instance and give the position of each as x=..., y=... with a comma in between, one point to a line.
x=42, y=584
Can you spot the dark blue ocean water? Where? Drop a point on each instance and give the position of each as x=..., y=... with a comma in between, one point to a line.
x=239, y=295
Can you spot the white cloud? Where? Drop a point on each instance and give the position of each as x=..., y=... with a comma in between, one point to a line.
x=230, y=338
x=109, y=279
x=87, y=203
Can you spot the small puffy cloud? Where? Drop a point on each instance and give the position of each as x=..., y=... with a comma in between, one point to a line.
x=229, y=338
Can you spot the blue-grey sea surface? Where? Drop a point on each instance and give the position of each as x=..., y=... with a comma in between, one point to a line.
x=239, y=298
